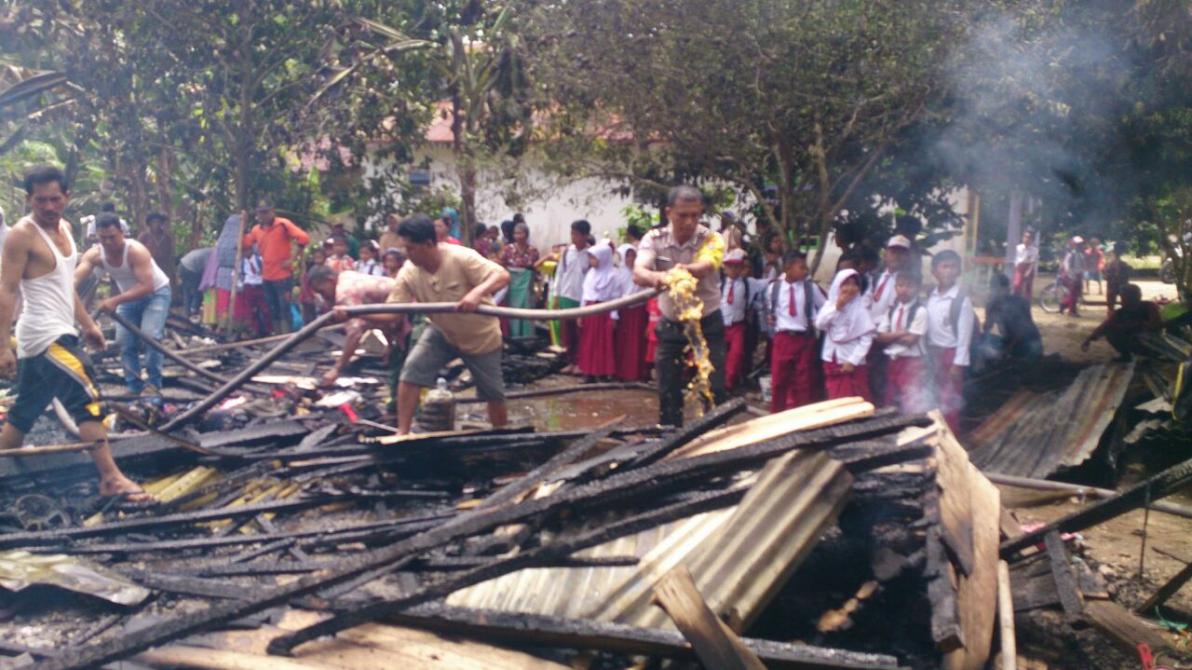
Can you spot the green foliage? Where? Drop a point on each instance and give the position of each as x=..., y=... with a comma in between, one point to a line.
x=807, y=96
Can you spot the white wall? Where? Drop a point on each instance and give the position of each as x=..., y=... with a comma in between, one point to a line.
x=550, y=205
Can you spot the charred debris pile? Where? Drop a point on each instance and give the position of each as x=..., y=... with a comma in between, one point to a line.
x=295, y=531
x=322, y=541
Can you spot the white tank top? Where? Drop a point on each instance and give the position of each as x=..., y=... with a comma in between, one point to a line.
x=123, y=275
x=48, y=310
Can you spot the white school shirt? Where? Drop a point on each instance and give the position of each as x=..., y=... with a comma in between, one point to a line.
x=252, y=270
x=882, y=295
x=743, y=287
x=939, y=324
x=897, y=323
x=573, y=265
x=783, y=321
x=372, y=268
x=1026, y=254
x=848, y=333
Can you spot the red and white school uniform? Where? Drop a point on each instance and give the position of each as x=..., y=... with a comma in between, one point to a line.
x=597, y=355
x=904, y=369
x=848, y=334
x=630, y=331
x=882, y=297
x=737, y=300
x=794, y=370
x=948, y=344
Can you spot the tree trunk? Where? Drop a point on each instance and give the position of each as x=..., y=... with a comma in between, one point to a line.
x=467, y=183
x=1013, y=229
x=465, y=169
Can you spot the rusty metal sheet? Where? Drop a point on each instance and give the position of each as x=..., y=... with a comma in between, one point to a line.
x=1036, y=435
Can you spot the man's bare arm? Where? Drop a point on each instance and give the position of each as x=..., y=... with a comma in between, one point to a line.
x=12, y=268
x=644, y=273
x=86, y=265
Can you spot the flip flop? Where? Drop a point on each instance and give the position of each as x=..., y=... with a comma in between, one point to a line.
x=123, y=501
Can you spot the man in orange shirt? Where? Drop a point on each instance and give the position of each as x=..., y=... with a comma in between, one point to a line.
x=274, y=236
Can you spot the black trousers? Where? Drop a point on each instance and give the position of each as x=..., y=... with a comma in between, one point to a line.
x=670, y=364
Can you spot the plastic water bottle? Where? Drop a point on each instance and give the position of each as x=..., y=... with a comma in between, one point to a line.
x=438, y=411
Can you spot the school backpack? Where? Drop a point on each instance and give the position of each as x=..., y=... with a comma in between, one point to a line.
x=910, y=317
x=808, y=300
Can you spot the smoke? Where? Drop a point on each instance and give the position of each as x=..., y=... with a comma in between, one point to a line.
x=1032, y=109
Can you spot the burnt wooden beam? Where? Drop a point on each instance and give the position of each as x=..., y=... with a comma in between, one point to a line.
x=1124, y=628
x=355, y=533
x=191, y=586
x=538, y=630
x=1167, y=590
x=1161, y=485
x=563, y=390
x=658, y=450
x=62, y=535
x=425, y=565
x=168, y=353
x=1065, y=581
x=714, y=643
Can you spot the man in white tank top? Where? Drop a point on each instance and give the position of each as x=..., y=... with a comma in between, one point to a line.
x=39, y=260
x=144, y=298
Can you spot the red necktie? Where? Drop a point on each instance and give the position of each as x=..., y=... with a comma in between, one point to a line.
x=877, y=295
x=794, y=311
x=898, y=325
x=732, y=284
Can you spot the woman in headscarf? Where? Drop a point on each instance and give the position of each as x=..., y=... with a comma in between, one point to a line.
x=848, y=333
x=630, y=330
x=597, y=356
x=519, y=258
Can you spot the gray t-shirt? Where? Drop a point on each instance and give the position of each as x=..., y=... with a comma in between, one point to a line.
x=196, y=261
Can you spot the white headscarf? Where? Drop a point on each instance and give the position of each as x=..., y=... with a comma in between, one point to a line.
x=854, y=320
x=602, y=282
x=624, y=273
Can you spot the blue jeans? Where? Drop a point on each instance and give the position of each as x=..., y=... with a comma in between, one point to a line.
x=149, y=314
x=277, y=295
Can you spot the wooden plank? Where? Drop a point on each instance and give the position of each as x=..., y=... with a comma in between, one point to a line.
x=808, y=417
x=1005, y=612
x=714, y=644
x=1065, y=581
x=976, y=591
x=941, y=593
x=1123, y=627
x=956, y=516
x=1166, y=591
x=182, y=656
x=371, y=646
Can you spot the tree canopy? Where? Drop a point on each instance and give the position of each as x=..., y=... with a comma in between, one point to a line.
x=817, y=113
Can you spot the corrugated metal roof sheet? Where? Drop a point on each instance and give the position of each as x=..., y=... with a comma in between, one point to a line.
x=1036, y=434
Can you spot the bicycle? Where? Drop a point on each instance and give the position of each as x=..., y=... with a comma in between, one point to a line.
x=1053, y=295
